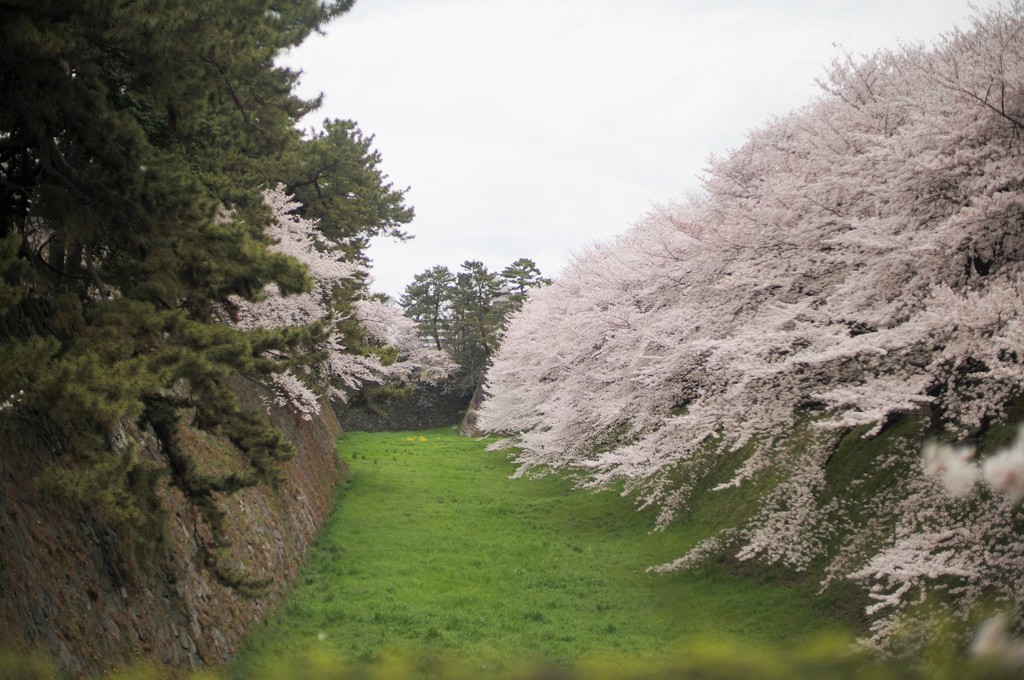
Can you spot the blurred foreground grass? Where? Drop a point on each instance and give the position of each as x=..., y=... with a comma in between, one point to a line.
x=828, y=659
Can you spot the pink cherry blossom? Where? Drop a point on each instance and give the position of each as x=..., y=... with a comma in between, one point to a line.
x=953, y=465
x=855, y=261
x=342, y=372
x=1004, y=471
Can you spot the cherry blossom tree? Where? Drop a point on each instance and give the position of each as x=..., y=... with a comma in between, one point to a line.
x=855, y=260
x=330, y=365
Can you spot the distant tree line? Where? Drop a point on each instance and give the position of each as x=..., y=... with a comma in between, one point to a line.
x=463, y=312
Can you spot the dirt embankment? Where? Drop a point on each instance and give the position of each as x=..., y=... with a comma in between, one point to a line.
x=66, y=591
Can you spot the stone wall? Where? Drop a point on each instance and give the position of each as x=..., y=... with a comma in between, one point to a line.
x=428, y=406
x=468, y=427
x=66, y=591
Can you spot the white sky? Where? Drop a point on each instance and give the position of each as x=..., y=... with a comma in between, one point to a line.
x=533, y=128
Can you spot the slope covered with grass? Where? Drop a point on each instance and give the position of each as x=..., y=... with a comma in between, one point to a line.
x=435, y=554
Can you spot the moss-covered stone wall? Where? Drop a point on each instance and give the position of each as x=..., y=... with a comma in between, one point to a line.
x=68, y=591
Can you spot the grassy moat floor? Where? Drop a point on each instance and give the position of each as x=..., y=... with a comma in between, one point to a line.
x=434, y=558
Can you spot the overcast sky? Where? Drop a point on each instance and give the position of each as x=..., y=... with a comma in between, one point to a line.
x=536, y=127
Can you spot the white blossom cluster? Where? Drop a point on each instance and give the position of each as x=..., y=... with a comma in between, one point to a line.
x=1002, y=471
x=994, y=640
x=11, y=400
x=386, y=324
x=341, y=372
x=859, y=258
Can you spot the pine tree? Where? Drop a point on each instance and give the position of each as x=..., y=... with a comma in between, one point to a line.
x=334, y=174
x=519, y=278
x=477, y=318
x=463, y=313
x=135, y=139
x=427, y=300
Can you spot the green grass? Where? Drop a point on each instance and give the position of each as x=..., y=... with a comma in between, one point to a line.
x=434, y=553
